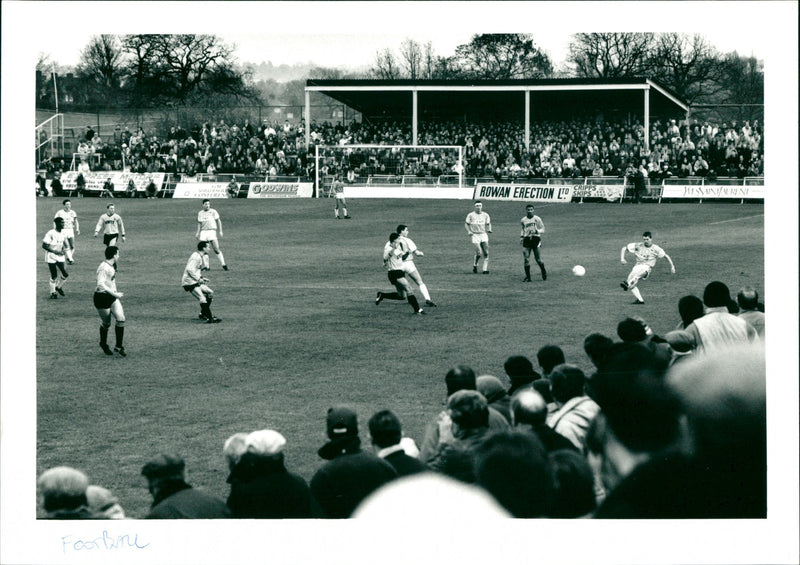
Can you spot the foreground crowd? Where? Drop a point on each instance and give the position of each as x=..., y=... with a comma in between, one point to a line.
x=670, y=426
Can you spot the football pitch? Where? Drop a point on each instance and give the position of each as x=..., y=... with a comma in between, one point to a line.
x=300, y=329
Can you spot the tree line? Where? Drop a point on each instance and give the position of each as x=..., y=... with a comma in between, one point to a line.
x=193, y=69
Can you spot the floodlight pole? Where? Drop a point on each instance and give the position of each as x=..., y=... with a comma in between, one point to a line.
x=55, y=86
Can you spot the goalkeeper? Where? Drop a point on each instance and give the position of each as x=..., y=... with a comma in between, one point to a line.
x=531, y=240
x=194, y=282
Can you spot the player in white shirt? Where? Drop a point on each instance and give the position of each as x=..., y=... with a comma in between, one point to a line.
x=112, y=226
x=54, y=243
x=337, y=186
x=531, y=240
x=646, y=253
x=478, y=225
x=393, y=257
x=193, y=281
x=107, y=301
x=71, y=228
x=409, y=247
x=208, y=224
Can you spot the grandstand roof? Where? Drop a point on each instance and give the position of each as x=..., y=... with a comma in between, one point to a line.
x=499, y=99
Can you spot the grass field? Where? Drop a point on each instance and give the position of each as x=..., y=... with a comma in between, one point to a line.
x=300, y=330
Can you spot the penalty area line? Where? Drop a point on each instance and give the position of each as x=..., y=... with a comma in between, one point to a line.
x=736, y=219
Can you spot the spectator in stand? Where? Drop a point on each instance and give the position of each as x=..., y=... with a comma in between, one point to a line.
x=233, y=449
x=718, y=327
x=386, y=434
x=80, y=185
x=173, y=497
x=520, y=372
x=690, y=307
x=548, y=357
x=747, y=298
x=575, y=496
x=108, y=189
x=350, y=474
x=439, y=431
x=262, y=487
x=151, y=189
x=63, y=494
x=104, y=504
x=515, y=469
x=495, y=393
x=721, y=472
x=56, y=188
x=574, y=409
x=529, y=414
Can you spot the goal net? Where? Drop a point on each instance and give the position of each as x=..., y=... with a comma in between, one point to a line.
x=381, y=165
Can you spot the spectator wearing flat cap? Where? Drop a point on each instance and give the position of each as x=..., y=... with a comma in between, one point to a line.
x=520, y=372
x=439, y=431
x=718, y=327
x=63, y=494
x=173, y=497
x=386, y=434
x=104, y=504
x=262, y=487
x=350, y=473
x=495, y=393
x=574, y=409
x=529, y=414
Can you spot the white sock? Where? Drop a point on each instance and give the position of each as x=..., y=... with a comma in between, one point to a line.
x=221, y=258
x=637, y=294
x=69, y=253
x=424, y=290
x=345, y=211
x=52, y=286
x=60, y=282
x=486, y=264
x=205, y=262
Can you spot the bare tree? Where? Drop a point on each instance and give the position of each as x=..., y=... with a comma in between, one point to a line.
x=502, y=56
x=611, y=55
x=411, y=58
x=101, y=62
x=386, y=66
x=689, y=65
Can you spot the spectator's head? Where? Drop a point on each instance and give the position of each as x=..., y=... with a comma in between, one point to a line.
x=163, y=469
x=566, y=382
x=491, y=388
x=596, y=347
x=104, y=504
x=385, y=429
x=460, y=377
x=632, y=393
x=574, y=484
x=266, y=444
x=633, y=330
x=63, y=489
x=514, y=468
x=519, y=370
x=342, y=429
x=468, y=410
x=548, y=357
x=747, y=298
x=233, y=448
x=716, y=294
x=528, y=407
x=690, y=307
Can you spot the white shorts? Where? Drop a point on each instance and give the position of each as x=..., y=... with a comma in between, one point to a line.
x=640, y=271
x=68, y=232
x=478, y=238
x=50, y=257
x=409, y=267
x=208, y=235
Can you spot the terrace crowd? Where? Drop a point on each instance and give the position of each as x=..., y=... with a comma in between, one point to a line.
x=668, y=425
x=558, y=149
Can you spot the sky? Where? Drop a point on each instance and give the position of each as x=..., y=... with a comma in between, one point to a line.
x=282, y=41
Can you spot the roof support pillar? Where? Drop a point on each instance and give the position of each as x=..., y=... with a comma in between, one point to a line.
x=527, y=119
x=414, y=110
x=647, y=118
x=307, y=114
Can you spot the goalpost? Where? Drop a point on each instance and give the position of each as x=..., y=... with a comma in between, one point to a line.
x=389, y=165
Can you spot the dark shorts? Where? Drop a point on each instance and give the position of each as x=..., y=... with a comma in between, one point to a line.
x=395, y=275
x=103, y=300
x=531, y=242
x=107, y=238
x=190, y=287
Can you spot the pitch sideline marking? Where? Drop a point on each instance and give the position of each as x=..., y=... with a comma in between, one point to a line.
x=736, y=219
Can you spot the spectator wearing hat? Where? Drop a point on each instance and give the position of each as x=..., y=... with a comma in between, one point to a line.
x=469, y=425
x=262, y=487
x=63, y=494
x=350, y=473
x=529, y=414
x=747, y=298
x=439, y=431
x=718, y=327
x=104, y=504
x=721, y=473
x=520, y=372
x=513, y=467
x=386, y=435
x=173, y=497
x=574, y=409
x=495, y=393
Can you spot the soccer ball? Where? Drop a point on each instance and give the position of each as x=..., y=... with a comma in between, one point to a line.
x=578, y=271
